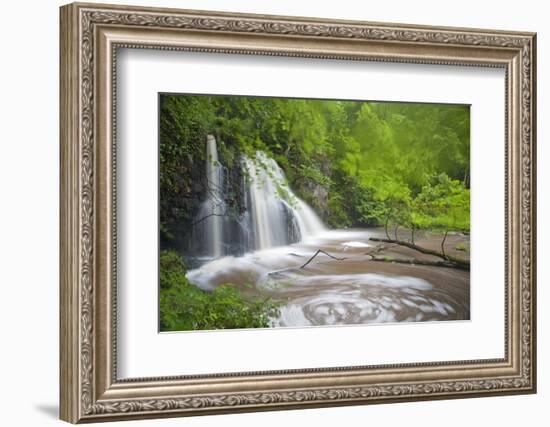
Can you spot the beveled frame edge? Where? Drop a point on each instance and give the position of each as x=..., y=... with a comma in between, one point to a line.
x=89, y=390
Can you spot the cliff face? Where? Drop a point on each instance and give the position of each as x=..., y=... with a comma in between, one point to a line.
x=180, y=198
x=314, y=188
x=317, y=198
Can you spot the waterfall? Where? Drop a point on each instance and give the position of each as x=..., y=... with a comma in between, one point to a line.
x=278, y=216
x=213, y=207
x=273, y=214
x=270, y=214
x=308, y=221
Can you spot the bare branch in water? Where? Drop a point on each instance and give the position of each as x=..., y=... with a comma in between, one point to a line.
x=459, y=262
x=448, y=264
x=319, y=251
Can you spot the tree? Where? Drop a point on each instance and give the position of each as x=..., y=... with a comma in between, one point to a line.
x=443, y=204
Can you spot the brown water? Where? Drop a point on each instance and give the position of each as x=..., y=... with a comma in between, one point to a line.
x=352, y=289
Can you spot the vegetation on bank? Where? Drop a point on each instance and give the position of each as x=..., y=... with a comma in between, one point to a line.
x=356, y=163
x=184, y=307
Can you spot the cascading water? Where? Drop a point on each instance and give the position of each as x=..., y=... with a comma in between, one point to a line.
x=308, y=221
x=273, y=214
x=278, y=216
x=212, y=209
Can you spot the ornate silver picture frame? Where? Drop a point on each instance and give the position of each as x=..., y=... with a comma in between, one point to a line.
x=91, y=36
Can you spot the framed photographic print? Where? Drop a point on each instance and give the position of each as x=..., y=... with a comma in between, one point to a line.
x=265, y=212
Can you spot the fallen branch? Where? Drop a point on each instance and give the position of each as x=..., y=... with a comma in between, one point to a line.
x=465, y=264
x=319, y=251
x=448, y=264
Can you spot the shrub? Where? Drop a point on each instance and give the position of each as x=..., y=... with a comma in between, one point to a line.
x=184, y=307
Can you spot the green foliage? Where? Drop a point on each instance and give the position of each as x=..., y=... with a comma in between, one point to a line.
x=338, y=216
x=184, y=307
x=443, y=204
x=313, y=173
x=375, y=160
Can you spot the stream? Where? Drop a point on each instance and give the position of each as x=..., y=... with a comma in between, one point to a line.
x=349, y=290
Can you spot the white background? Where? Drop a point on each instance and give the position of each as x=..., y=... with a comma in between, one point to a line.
x=142, y=74
x=29, y=170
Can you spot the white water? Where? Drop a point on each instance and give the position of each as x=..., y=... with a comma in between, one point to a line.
x=275, y=209
x=273, y=215
x=336, y=292
x=347, y=245
x=213, y=206
x=309, y=223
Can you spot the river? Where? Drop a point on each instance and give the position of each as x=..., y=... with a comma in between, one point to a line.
x=352, y=289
